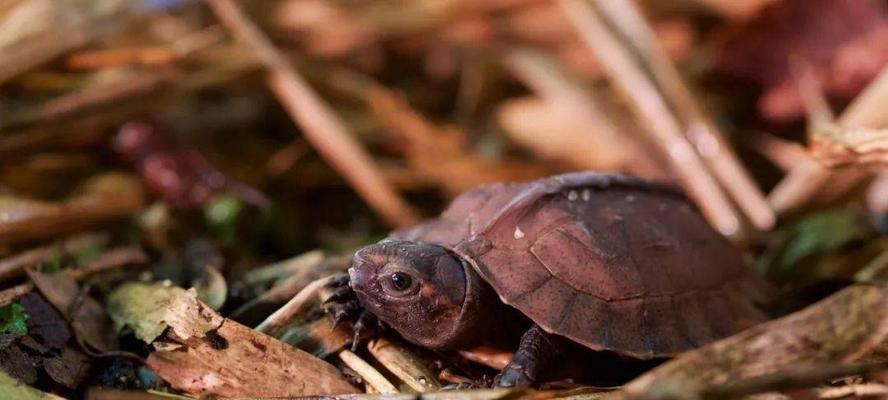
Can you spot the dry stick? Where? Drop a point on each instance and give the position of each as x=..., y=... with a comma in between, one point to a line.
x=404, y=364
x=654, y=115
x=625, y=17
x=16, y=264
x=9, y=295
x=319, y=124
x=45, y=46
x=366, y=371
x=111, y=259
x=297, y=304
x=785, y=154
x=127, y=85
x=804, y=180
x=284, y=268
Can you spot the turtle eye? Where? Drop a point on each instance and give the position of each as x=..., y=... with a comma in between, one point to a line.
x=399, y=283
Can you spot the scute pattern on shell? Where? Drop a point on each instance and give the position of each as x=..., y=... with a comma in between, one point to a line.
x=611, y=262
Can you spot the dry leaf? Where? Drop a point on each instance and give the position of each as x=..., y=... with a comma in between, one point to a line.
x=150, y=309
x=236, y=361
x=203, y=353
x=88, y=319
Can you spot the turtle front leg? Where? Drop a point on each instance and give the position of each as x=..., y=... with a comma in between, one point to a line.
x=535, y=354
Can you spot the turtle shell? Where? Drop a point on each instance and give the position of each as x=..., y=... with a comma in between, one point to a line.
x=608, y=261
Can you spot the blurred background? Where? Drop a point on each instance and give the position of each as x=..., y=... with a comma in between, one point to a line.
x=246, y=132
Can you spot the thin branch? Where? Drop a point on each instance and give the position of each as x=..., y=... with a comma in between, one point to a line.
x=654, y=114
x=9, y=295
x=625, y=17
x=296, y=305
x=366, y=371
x=404, y=364
x=15, y=265
x=319, y=124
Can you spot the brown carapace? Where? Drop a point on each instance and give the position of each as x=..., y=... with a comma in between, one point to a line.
x=609, y=262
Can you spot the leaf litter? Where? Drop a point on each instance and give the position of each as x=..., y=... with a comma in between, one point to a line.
x=179, y=181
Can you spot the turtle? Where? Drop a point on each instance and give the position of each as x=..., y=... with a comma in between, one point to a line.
x=610, y=262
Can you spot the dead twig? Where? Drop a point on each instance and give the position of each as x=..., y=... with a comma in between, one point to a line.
x=297, y=304
x=319, y=124
x=111, y=259
x=404, y=364
x=654, y=114
x=9, y=295
x=15, y=265
x=625, y=17
x=366, y=371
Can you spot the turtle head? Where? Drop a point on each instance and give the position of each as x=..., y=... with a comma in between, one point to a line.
x=419, y=289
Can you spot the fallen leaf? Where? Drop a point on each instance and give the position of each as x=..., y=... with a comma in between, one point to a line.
x=203, y=353
x=88, y=319
x=150, y=309
x=241, y=362
x=69, y=369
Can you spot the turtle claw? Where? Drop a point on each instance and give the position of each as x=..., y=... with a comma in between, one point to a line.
x=343, y=304
x=366, y=322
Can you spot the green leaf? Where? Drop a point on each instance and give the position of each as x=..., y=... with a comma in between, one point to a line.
x=14, y=319
x=823, y=233
x=812, y=238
